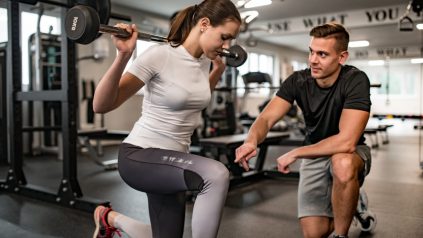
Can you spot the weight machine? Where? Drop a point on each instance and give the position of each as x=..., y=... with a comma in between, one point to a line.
x=69, y=193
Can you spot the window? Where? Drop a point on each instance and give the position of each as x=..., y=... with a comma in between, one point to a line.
x=3, y=24
x=258, y=62
x=396, y=76
x=140, y=48
x=29, y=20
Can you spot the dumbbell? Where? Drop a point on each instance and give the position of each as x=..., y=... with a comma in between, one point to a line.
x=82, y=25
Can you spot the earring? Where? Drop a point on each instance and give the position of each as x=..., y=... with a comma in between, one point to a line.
x=202, y=29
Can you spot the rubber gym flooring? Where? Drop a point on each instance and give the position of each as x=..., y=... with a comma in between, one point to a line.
x=264, y=209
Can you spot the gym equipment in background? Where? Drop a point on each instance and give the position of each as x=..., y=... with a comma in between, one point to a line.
x=3, y=111
x=69, y=193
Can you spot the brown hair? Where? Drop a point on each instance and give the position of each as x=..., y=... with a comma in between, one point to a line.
x=334, y=30
x=217, y=11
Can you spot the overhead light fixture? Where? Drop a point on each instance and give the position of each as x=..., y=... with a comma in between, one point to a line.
x=419, y=26
x=417, y=61
x=251, y=41
x=257, y=3
x=359, y=43
x=240, y=3
x=376, y=62
x=249, y=16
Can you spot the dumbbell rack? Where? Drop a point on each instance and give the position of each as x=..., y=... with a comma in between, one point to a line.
x=69, y=193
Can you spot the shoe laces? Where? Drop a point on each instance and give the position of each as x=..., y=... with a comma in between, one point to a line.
x=108, y=230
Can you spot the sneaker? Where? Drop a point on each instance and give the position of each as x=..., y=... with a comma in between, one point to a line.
x=102, y=228
x=364, y=217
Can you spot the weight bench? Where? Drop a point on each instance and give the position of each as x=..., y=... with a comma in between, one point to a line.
x=374, y=132
x=226, y=145
x=85, y=136
x=383, y=130
x=372, y=135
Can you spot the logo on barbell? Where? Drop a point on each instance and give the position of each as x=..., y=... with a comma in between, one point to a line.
x=74, y=22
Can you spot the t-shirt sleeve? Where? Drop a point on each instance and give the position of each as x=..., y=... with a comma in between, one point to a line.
x=148, y=64
x=358, y=92
x=287, y=89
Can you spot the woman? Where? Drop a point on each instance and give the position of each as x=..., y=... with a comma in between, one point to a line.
x=154, y=157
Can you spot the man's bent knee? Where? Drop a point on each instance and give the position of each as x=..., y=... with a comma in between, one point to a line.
x=345, y=167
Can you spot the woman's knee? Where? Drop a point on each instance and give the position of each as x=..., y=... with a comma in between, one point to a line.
x=218, y=174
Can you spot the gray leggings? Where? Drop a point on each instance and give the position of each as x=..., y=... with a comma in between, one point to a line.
x=165, y=175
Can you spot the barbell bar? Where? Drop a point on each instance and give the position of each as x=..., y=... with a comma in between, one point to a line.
x=82, y=25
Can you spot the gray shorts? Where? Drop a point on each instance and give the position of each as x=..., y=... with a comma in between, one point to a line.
x=315, y=186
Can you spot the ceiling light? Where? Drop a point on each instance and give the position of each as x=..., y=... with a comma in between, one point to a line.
x=359, y=43
x=419, y=26
x=417, y=61
x=376, y=62
x=240, y=3
x=257, y=3
x=249, y=15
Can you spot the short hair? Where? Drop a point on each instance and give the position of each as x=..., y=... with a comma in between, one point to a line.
x=333, y=30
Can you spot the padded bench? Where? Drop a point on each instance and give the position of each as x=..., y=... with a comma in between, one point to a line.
x=383, y=130
x=374, y=132
x=100, y=134
x=226, y=145
x=372, y=135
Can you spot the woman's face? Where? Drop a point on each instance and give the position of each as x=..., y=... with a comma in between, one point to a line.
x=213, y=39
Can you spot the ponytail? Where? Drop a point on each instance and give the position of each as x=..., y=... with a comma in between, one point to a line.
x=217, y=11
x=181, y=26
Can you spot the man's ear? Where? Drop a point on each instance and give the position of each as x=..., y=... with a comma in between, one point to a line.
x=343, y=57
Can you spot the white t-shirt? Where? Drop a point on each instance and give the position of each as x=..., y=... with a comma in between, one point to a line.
x=176, y=89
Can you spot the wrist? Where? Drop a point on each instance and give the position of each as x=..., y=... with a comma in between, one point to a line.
x=294, y=154
x=250, y=143
x=123, y=55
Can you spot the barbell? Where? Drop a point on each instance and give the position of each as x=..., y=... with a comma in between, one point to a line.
x=82, y=25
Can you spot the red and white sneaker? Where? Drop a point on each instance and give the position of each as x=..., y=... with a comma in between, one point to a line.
x=102, y=228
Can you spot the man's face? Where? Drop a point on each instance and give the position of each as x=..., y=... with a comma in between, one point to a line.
x=324, y=59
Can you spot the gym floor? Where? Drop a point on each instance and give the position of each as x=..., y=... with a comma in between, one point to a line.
x=263, y=209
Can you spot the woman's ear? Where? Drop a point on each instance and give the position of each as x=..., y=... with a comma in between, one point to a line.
x=204, y=23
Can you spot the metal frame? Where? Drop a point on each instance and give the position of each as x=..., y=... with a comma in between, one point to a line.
x=69, y=193
x=3, y=114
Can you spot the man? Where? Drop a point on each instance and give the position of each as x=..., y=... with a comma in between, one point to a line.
x=335, y=101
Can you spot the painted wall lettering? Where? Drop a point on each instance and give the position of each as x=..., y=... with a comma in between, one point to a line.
x=311, y=22
x=350, y=19
x=392, y=52
x=382, y=15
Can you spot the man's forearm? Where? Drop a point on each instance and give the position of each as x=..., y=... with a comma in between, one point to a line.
x=327, y=147
x=257, y=132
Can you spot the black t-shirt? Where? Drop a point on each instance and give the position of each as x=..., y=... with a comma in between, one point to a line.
x=322, y=107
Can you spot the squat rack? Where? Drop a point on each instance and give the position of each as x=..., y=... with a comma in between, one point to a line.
x=69, y=193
